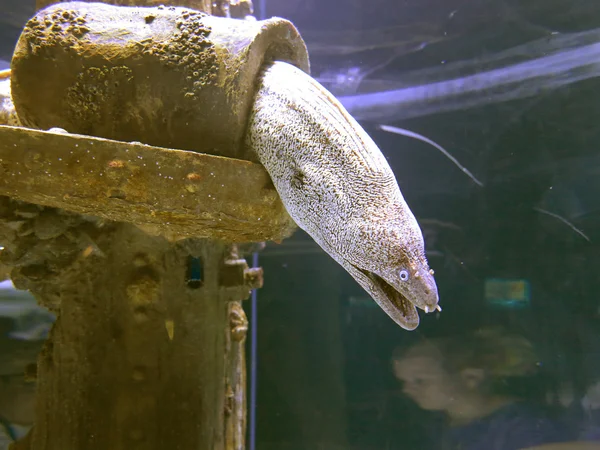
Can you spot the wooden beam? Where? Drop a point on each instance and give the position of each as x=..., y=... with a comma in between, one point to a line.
x=173, y=193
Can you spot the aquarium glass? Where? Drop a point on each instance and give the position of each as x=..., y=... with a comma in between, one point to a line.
x=486, y=112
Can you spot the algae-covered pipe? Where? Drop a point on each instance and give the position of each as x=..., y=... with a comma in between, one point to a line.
x=166, y=76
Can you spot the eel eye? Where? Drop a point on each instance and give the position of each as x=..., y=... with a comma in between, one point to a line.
x=403, y=275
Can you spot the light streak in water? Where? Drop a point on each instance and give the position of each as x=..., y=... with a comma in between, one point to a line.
x=513, y=81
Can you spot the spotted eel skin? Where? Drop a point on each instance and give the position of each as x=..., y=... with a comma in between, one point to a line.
x=338, y=187
x=8, y=115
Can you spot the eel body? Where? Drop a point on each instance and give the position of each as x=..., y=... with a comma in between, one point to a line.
x=8, y=115
x=338, y=187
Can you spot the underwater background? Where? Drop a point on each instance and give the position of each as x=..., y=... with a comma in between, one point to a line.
x=509, y=89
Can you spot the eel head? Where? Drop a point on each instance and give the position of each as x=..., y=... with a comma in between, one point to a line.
x=399, y=299
x=393, y=269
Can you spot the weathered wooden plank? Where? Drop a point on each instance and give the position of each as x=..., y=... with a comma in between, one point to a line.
x=175, y=193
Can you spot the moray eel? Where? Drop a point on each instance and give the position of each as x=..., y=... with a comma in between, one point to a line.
x=338, y=187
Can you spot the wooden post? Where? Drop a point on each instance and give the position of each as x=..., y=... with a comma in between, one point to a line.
x=147, y=351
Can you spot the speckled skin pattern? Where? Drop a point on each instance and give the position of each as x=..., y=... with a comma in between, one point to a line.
x=8, y=115
x=338, y=187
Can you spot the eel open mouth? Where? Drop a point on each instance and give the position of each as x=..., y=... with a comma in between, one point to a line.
x=396, y=305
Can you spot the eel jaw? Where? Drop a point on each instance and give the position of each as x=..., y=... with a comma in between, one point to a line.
x=396, y=305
